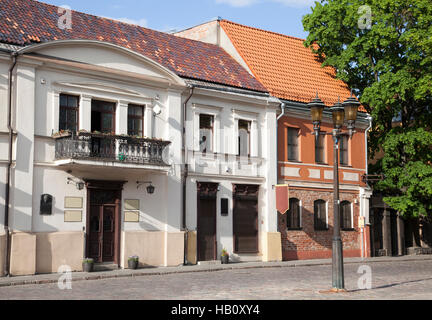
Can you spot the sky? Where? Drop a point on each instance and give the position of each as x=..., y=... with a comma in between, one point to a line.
x=281, y=16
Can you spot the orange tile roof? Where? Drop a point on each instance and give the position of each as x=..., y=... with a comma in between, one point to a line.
x=284, y=65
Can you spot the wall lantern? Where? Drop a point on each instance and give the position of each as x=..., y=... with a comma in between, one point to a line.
x=79, y=184
x=150, y=188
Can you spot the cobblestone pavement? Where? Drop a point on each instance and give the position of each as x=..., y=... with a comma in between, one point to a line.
x=410, y=280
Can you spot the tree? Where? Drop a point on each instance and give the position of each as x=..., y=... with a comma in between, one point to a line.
x=383, y=50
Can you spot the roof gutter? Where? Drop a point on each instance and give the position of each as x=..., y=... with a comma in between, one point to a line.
x=185, y=172
x=14, y=56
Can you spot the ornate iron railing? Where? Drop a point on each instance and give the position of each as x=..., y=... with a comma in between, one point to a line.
x=92, y=146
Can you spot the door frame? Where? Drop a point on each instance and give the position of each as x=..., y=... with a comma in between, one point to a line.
x=106, y=185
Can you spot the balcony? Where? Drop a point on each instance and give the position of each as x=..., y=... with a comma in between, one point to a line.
x=110, y=148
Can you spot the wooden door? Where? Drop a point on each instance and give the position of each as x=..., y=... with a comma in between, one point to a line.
x=103, y=221
x=245, y=219
x=108, y=240
x=206, y=231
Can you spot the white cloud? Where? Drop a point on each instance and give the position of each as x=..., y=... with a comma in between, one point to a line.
x=296, y=3
x=288, y=3
x=238, y=3
x=140, y=22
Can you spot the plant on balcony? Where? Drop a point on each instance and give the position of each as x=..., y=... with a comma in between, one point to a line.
x=133, y=262
x=62, y=133
x=121, y=156
x=224, y=256
x=88, y=265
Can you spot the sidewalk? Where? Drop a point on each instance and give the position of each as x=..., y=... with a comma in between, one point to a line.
x=123, y=273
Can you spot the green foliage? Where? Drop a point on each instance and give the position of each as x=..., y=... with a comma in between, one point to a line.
x=389, y=67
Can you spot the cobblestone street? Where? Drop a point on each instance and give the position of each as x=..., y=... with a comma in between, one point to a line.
x=410, y=280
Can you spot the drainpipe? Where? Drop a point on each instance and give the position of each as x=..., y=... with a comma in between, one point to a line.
x=277, y=140
x=14, y=56
x=363, y=235
x=185, y=173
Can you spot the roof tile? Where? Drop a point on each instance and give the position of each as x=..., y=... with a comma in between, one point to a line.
x=284, y=65
x=23, y=22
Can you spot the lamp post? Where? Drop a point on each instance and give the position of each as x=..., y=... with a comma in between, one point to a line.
x=340, y=112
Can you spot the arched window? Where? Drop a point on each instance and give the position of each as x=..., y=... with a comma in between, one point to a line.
x=346, y=215
x=294, y=215
x=320, y=215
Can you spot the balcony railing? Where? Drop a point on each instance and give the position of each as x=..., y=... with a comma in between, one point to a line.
x=125, y=149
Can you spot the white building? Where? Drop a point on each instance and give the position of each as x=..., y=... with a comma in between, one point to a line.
x=96, y=167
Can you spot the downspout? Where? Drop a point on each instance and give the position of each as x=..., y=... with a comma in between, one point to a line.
x=185, y=174
x=363, y=234
x=14, y=56
x=277, y=140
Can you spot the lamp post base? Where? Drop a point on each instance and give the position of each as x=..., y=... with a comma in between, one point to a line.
x=337, y=265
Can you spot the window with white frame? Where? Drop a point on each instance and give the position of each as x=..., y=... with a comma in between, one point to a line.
x=343, y=151
x=293, y=144
x=206, y=125
x=244, y=138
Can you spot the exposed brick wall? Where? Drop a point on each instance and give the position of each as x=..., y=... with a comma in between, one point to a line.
x=309, y=243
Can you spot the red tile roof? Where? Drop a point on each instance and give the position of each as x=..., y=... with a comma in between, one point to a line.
x=23, y=22
x=285, y=67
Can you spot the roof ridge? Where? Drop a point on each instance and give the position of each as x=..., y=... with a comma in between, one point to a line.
x=262, y=30
x=125, y=23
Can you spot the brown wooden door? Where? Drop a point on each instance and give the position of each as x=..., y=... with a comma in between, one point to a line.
x=95, y=233
x=245, y=219
x=206, y=231
x=108, y=239
x=103, y=221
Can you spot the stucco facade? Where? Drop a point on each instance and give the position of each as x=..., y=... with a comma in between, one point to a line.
x=147, y=225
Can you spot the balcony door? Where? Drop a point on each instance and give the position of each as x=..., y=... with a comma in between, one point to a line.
x=103, y=116
x=103, y=221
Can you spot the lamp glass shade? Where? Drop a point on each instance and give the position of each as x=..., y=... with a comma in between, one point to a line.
x=317, y=113
x=351, y=112
x=351, y=107
x=150, y=189
x=338, y=114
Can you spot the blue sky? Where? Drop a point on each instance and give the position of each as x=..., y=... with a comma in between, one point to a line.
x=282, y=16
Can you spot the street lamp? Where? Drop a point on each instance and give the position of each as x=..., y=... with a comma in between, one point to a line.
x=340, y=112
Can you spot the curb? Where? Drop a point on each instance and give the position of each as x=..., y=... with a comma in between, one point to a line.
x=215, y=269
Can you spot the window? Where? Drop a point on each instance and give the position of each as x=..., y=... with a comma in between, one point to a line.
x=293, y=153
x=319, y=149
x=135, y=120
x=68, y=113
x=345, y=215
x=244, y=138
x=343, y=151
x=320, y=215
x=293, y=215
x=206, y=133
x=102, y=116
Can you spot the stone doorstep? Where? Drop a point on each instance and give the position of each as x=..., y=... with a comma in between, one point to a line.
x=127, y=273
